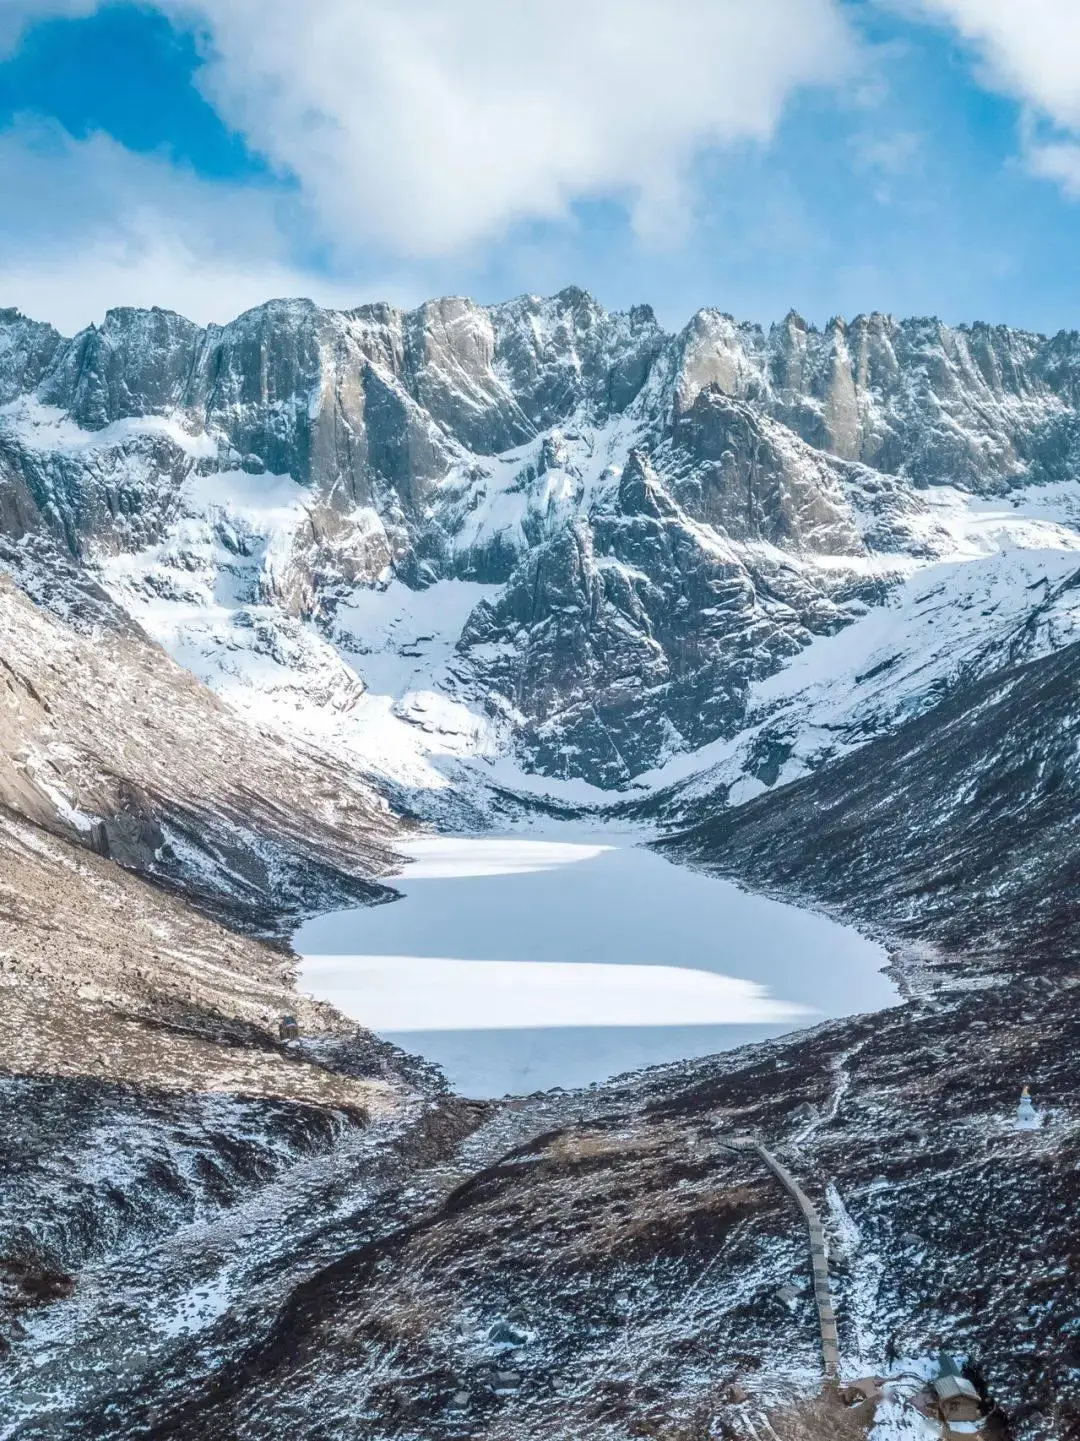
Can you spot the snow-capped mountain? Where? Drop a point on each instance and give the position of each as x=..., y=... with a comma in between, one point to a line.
x=543, y=534
x=805, y=600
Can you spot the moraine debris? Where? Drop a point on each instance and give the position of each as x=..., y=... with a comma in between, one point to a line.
x=499, y=1382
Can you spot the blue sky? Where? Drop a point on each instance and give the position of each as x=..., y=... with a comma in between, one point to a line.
x=916, y=156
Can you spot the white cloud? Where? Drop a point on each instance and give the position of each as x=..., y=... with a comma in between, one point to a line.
x=423, y=126
x=1029, y=49
x=97, y=226
x=145, y=268
x=17, y=15
x=1058, y=161
x=420, y=129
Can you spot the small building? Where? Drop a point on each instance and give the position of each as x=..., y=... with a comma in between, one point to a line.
x=288, y=1028
x=957, y=1399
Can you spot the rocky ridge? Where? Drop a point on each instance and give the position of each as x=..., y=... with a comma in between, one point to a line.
x=127, y=789
x=954, y=830
x=623, y=531
x=108, y=743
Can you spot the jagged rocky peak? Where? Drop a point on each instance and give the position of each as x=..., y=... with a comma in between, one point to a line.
x=137, y=362
x=970, y=405
x=271, y=355
x=492, y=377
x=803, y=376
x=292, y=384
x=449, y=367
x=288, y=384
x=1059, y=364
x=750, y=478
x=987, y=382
x=27, y=351
x=567, y=352
x=788, y=351
x=673, y=513
x=715, y=350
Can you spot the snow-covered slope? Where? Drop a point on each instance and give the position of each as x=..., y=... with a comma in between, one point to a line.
x=549, y=538
x=1005, y=591
x=958, y=829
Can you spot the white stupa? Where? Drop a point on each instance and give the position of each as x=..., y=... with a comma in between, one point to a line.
x=1027, y=1117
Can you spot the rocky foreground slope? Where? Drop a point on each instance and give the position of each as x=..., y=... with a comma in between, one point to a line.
x=147, y=838
x=598, y=1266
x=803, y=600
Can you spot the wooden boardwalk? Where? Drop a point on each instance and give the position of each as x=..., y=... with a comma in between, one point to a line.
x=830, y=1349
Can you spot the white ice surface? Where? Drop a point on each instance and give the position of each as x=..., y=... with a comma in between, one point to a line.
x=440, y=858
x=422, y=993
x=521, y=964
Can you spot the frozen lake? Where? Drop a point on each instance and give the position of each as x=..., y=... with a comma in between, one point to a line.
x=519, y=965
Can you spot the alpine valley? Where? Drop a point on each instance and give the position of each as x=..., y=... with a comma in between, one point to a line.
x=796, y=608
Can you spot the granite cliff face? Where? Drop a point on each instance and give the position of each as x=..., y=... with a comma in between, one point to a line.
x=646, y=525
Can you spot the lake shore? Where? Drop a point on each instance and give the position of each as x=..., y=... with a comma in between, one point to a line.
x=520, y=964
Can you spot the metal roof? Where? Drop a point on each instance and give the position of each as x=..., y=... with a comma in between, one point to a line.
x=955, y=1388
